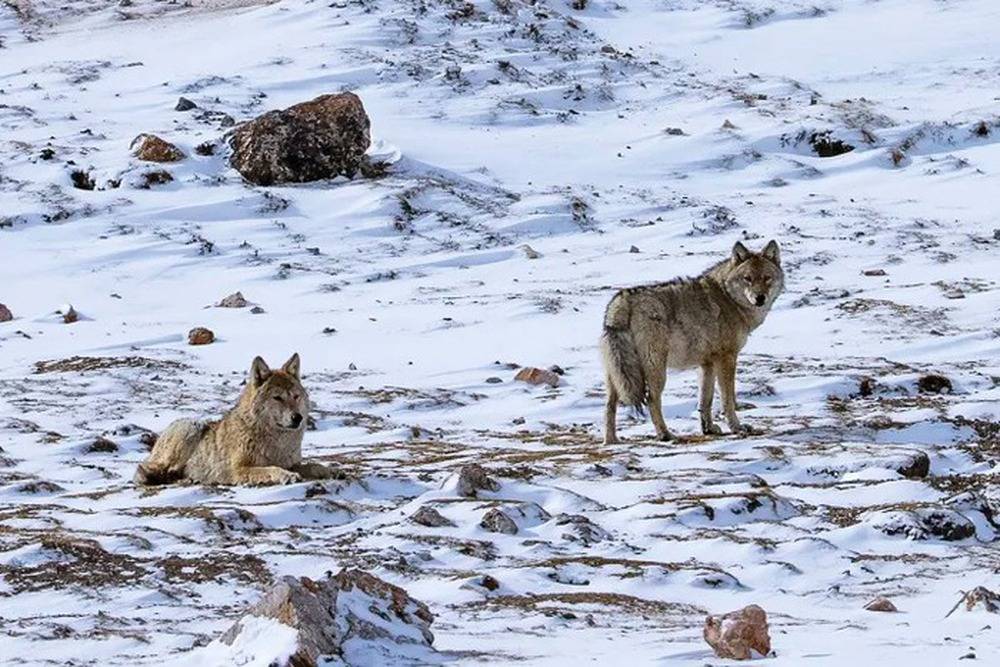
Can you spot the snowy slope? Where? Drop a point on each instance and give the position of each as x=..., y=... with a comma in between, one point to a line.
x=672, y=126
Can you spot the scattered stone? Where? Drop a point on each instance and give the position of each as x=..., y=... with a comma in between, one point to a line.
x=472, y=478
x=5, y=314
x=874, y=272
x=200, y=336
x=155, y=177
x=537, y=376
x=494, y=380
x=557, y=369
x=581, y=529
x=352, y=617
x=866, y=386
x=530, y=252
x=634, y=250
x=674, y=132
x=738, y=634
x=205, y=149
x=489, y=583
x=881, y=604
x=933, y=383
x=69, y=314
x=311, y=141
x=102, y=445
x=728, y=125
x=151, y=148
x=184, y=104
x=257, y=310
x=235, y=300
x=82, y=180
x=916, y=466
x=430, y=517
x=826, y=146
x=923, y=523
x=496, y=521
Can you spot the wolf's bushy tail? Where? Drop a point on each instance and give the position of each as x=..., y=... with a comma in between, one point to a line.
x=621, y=356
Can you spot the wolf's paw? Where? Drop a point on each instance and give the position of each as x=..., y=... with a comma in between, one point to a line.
x=744, y=430
x=283, y=476
x=711, y=429
x=269, y=475
x=313, y=470
x=666, y=436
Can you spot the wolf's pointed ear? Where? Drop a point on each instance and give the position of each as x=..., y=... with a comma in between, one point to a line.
x=293, y=365
x=740, y=253
x=259, y=371
x=771, y=252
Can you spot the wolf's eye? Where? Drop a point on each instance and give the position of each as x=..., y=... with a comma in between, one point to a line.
x=747, y=279
x=278, y=399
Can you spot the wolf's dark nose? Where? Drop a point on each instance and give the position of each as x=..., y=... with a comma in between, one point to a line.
x=296, y=420
x=760, y=299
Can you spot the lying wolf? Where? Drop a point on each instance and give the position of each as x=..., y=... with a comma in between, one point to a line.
x=686, y=323
x=257, y=442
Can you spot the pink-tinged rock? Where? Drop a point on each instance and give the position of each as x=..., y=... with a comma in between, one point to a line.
x=537, y=376
x=5, y=314
x=151, y=148
x=881, y=604
x=200, y=336
x=738, y=634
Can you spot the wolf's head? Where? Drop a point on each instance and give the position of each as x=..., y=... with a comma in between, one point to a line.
x=754, y=279
x=277, y=398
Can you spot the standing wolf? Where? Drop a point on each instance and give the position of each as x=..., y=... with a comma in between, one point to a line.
x=685, y=323
x=257, y=442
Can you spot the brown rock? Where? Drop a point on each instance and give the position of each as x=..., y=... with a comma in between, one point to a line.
x=200, y=336
x=430, y=517
x=311, y=141
x=737, y=634
x=370, y=611
x=235, y=300
x=497, y=521
x=881, y=604
x=5, y=314
x=915, y=466
x=69, y=315
x=934, y=384
x=984, y=597
x=152, y=148
x=537, y=376
x=472, y=478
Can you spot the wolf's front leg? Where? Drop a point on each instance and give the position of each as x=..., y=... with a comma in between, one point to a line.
x=314, y=470
x=265, y=475
x=708, y=427
x=726, y=373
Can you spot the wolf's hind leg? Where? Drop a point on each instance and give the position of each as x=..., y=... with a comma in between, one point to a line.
x=708, y=427
x=265, y=475
x=610, y=414
x=171, y=453
x=314, y=470
x=655, y=383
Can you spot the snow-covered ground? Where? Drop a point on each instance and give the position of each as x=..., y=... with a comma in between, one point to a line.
x=625, y=142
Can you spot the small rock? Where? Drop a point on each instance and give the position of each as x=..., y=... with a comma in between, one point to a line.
x=152, y=148
x=69, y=314
x=537, y=376
x=489, y=583
x=155, y=177
x=728, y=125
x=581, y=529
x=634, y=250
x=916, y=466
x=235, y=300
x=184, y=104
x=205, y=148
x=494, y=380
x=530, y=252
x=102, y=445
x=674, y=131
x=881, y=604
x=200, y=336
x=866, y=386
x=257, y=310
x=430, y=517
x=5, y=314
x=315, y=140
x=874, y=272
x=557, y=369
x=933, y=383
x=496, y=521
x=472, y=478
x=738, y=634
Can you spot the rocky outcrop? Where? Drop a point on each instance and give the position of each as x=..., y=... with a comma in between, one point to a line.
x=738, y=634
x=320, y=139
x=151, y=148
x=472, y=478
x=353, y=616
